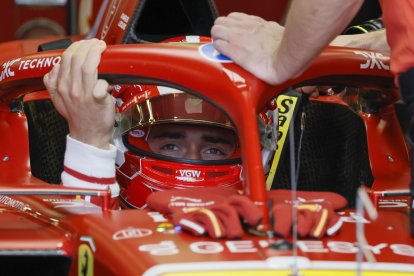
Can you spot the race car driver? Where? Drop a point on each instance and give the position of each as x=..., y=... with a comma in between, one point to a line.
x=168, y=139
x=85, y=103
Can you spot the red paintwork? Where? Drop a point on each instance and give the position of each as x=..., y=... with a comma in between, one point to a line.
x=108, y=28
x=233, y=90
x=15, y=171
x=385, y=142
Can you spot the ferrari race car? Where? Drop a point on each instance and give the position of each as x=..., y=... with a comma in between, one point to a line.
x=348, y=141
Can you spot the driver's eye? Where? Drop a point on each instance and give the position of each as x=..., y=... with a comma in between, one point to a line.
x=169, y=147
x=213, y=154
x=214, y=151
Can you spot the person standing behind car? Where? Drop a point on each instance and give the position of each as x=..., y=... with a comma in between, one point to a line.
x=398, y=18
x=255, y=44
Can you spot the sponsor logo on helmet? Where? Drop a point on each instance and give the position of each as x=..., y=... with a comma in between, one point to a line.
x=137, y=133
x=189, y=175
x=117, y=87
x=130, y=233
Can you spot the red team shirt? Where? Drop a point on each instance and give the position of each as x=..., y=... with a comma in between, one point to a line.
x=398, y=17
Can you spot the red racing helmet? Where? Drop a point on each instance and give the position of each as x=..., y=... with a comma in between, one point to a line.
x=168, y=139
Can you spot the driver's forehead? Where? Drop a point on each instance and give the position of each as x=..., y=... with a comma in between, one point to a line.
x=179, y=131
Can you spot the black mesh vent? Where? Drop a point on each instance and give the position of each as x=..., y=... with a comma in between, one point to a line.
x=47, y=140
x=334, y=154
x=157, y=20
x=35, y=265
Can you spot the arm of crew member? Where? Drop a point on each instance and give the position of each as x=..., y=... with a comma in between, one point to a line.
x=376, y=40
x=310, y=26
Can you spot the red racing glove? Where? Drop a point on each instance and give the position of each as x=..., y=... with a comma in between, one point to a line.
x=315, y=212
x=212, y=211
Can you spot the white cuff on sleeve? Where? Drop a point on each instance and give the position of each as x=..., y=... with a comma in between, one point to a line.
x=89, y=167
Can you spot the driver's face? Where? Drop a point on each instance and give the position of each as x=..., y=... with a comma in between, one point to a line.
x=192, y=142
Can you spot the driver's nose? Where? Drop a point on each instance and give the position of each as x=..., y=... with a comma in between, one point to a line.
x=193, y=152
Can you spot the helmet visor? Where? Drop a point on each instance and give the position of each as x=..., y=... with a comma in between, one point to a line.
x=177, y=107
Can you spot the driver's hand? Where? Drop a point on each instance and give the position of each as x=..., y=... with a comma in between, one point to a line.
x=312, y=91
x=79, y=96
x=316, y=91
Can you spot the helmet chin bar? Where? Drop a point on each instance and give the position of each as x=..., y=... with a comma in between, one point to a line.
x=139, y=176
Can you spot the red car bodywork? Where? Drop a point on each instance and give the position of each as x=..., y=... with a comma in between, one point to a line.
x=41, y=220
